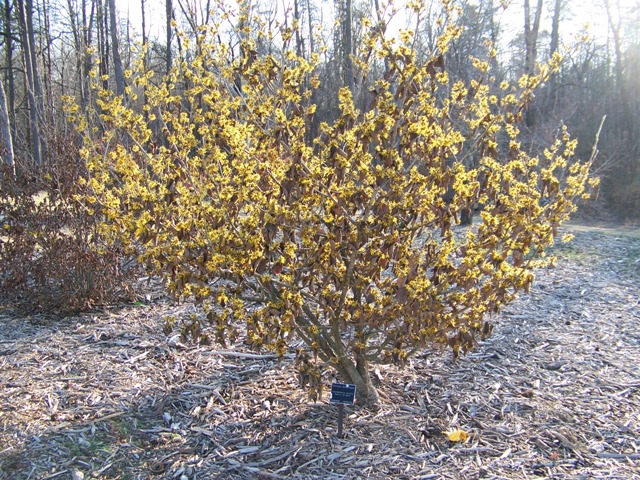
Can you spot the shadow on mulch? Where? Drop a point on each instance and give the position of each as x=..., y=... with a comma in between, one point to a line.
x=554, y=393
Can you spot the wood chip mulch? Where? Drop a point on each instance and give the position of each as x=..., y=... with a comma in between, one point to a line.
x=554, y=393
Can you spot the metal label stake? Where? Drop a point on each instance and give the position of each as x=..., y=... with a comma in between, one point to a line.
x=342, y=394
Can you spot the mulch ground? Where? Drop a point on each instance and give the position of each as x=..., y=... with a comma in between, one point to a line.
x=553, y=393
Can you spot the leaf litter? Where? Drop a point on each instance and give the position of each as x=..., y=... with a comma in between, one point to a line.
x=553, y=393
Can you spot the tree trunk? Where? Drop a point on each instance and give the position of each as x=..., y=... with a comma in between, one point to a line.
x=115, y=47
x=628, y=120
x=553, y=48
x=144, y=31
x=376, y=5
x=331, y=348
x=11, y=100
x=245, y=9
x=128, y=44
x=296, y=17
x=348, y=48
x=145, y=59
x=169, y=8
x=358, y=374
x=37, y=83
x=81, y=31
x=46, y=46
x=102, y=33
x=312, y=46
x=313, y=121
x=5, y=132
x=355, y=371
x=30, y=81
x=531, y=49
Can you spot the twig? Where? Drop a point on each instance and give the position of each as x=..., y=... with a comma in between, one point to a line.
x=106, y=417
x=54, y=475
x=254, y=356
x=594, y=150
x=620, y=456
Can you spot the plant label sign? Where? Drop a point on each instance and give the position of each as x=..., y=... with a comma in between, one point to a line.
x=343, y=393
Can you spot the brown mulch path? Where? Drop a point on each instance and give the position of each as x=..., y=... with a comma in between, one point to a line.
x=554, y=393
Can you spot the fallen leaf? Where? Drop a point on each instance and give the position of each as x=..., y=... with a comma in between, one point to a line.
x=157, y=468
x=457, y=435
x=77, y=474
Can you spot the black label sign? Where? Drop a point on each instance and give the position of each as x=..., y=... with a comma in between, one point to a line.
x=343, y=393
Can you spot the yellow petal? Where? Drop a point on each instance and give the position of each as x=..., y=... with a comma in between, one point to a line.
x=457, y=435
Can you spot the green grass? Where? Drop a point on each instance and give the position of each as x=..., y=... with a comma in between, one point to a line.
x=87, y=447
x=619, y=248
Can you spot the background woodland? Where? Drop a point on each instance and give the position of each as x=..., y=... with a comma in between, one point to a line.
x=49, y=48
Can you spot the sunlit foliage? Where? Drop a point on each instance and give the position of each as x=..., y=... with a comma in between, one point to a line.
x=349, y=240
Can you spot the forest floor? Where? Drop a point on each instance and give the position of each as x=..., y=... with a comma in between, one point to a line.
x=553, y=393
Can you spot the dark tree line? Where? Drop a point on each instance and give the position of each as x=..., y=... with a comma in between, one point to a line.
x=51, y=48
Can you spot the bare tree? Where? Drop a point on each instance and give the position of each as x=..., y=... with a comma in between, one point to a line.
x=145, y=40
x=615, y=26
x=32, y=79
x=531, y=48
x=5, y=132
x=81, y=30
x=45, y=47
x=312, y=48
x=296, y=17
x=169, y=10
x=115, y=47
x=348, y=47
x=9, y=50
x=102, y=36
x=553, y=49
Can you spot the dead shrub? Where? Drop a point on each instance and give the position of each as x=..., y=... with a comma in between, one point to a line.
x=52, y=257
